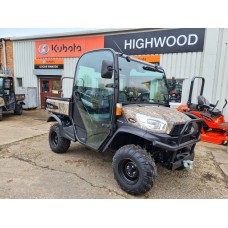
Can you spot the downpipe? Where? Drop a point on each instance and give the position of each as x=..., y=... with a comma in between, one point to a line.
x=4, y=54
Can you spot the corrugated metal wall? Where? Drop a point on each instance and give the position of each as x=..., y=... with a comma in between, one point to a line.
x=69, y=70
x=220, y=83
x=24, y=55
x=212, y=64
x=182, y=66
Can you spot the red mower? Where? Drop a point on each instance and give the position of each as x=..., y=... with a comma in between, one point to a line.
x=215, y=129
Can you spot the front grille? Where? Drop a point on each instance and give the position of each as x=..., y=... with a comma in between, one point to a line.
x=178, y=128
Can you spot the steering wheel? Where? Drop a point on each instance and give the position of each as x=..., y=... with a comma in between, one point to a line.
x=144, y=97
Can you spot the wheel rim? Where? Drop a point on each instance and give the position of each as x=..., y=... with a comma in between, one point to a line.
x=54, y=138
x=128, y=171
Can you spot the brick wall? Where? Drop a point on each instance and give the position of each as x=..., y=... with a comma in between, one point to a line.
x=9, y=55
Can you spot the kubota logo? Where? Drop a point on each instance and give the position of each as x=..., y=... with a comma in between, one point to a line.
x=44, y=49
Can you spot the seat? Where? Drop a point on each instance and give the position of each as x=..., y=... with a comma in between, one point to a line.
x=205, y=104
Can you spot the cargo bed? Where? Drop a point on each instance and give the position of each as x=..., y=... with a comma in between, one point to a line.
x=58, y=105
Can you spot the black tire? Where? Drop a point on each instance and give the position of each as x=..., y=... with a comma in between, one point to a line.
x=18, y=109
x=58, y=143
x=134, y=169
x=1, y=114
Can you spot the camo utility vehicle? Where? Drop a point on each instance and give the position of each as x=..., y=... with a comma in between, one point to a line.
x=121, y=103
x=9, y=101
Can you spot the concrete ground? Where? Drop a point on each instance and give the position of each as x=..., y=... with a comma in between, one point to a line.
x=29, y=169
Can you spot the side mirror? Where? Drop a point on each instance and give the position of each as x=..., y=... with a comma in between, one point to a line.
x=106, y=69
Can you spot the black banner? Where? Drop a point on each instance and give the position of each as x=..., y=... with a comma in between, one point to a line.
x=49, y=66
x=158, y=42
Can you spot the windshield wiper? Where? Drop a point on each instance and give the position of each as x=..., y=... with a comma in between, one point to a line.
x=154, y=69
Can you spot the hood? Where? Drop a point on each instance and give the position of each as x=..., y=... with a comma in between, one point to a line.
x=170, y=115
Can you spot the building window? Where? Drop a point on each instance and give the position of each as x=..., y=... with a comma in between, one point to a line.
x=19, y=82
x=175, y=95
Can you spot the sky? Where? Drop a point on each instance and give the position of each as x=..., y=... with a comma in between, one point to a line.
x=19, y=32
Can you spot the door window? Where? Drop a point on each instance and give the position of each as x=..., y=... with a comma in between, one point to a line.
x=55, y=87
x=45, y=86
x=93, y=98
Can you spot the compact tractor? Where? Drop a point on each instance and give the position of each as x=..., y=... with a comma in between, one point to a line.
x=215, y=128
x=9, y=101
x=121, y=103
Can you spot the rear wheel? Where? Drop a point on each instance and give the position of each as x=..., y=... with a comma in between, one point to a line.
x=18, y=109
x=58, y=143
x=134, y=169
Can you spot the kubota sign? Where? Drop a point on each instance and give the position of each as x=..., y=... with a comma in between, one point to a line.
x=72, y=47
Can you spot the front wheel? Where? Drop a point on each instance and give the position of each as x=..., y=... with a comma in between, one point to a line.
x=134, y=169
x=58, y=143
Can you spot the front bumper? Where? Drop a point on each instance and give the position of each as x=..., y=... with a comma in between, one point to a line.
x=182, y=140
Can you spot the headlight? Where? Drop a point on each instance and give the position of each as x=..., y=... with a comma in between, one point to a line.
x=151, y=123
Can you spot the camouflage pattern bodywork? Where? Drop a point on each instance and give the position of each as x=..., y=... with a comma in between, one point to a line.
x=58, y=106
x=20, y=97
x=171, y=116
x=2, y=102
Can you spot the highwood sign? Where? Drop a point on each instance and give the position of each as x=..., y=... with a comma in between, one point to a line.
x=48, y=64
x=72, y=47
x=158, y=42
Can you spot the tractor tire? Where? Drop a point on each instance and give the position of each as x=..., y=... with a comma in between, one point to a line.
x=134, y=169
x=58, y=143
x=1, y=114
x=18, y=109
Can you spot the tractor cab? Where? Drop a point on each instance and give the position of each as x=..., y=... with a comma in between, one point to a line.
x=7, y=91
x=9, y=101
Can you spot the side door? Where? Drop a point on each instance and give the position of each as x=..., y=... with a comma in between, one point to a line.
x=49, y=87
x=93, y=99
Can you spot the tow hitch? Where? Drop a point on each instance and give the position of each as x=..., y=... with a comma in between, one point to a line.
x=187, y=164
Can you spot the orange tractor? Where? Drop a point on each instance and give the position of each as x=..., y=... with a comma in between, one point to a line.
x=215, y=128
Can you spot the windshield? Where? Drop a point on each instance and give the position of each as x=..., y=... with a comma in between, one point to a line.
x=1, y=86
x=138, y=83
